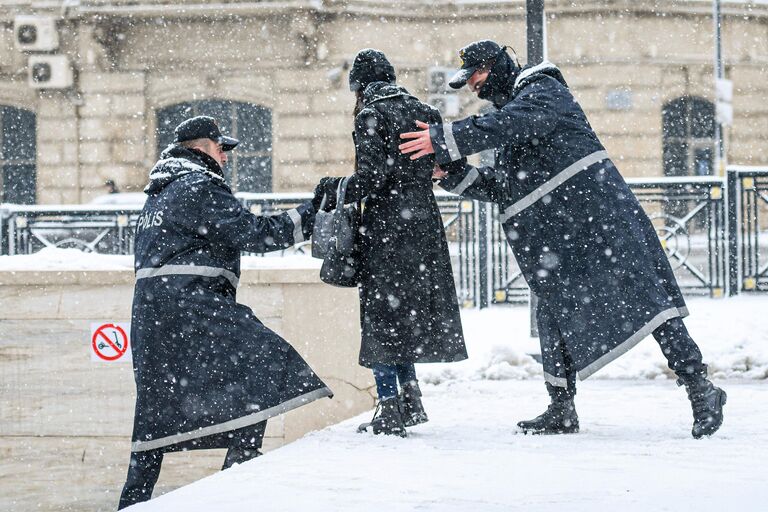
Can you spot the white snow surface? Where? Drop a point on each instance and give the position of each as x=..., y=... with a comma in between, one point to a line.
x=634, y=451
x=634, y=454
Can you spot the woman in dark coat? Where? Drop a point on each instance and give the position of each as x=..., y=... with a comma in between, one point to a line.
x=408, y=306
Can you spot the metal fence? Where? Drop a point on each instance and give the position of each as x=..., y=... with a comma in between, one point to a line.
x=748, y=236
x=714, y=231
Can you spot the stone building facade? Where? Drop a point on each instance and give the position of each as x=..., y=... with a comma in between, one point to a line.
x=273, y=73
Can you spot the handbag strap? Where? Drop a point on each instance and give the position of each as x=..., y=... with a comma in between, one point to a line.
x=341, y=193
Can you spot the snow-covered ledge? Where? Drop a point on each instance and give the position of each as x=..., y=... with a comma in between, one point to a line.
x=75, y=414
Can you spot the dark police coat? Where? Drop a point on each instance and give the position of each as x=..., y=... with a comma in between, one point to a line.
x=205, y=365
x=581, y=238
x=408, y=305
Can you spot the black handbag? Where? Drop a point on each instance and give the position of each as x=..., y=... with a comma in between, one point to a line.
x=335, y=240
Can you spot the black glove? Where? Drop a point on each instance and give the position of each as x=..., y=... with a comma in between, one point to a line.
x=327, y=187
x=455, y=166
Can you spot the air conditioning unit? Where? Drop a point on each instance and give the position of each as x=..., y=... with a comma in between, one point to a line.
x=449, y=105
x=49, y=72
x=35, y=33
x=438, y=78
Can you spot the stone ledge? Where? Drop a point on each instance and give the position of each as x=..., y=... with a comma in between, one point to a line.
x=253, y=272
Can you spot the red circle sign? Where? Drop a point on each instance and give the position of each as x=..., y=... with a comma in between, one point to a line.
x=109, y=348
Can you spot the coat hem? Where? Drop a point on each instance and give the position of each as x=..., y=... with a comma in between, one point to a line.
x=633, y=340
x=243, y=421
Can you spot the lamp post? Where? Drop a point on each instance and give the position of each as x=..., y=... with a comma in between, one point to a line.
x=536, y=52
x=723, y=92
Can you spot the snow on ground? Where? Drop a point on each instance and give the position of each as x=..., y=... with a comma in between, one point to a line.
x=634, y=453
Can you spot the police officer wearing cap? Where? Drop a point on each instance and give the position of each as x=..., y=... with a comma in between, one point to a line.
x=208, y=373
x=579, y=235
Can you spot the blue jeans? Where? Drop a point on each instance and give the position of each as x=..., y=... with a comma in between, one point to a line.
x=387, y=376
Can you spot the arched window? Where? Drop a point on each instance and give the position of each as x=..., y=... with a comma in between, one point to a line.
x=18, y=149
x=250, y=166
x=688, y=127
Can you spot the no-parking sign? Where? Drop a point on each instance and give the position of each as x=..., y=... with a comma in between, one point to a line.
x=110, y=342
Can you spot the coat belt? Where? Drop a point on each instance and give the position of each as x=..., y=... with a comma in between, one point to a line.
x=560, y=178
x=186, y=270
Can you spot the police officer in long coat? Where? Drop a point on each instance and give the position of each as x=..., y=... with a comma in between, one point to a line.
x=581, y=238
x=408, y=305
x=208, y=372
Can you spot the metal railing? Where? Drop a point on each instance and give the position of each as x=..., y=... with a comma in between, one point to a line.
x=748, y=229
x=689, y=217
x=714, y=231
x=108, y=229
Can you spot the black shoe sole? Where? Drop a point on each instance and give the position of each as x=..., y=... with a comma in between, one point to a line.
x=546, y=432
x=416, y=419
x=400, y=433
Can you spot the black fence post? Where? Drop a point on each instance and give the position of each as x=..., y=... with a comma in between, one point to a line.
x=482, y=254
x=733, y=193
x=3, y=238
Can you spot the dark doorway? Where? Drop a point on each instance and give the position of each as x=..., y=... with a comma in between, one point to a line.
x=688, y=128
x=18, y=150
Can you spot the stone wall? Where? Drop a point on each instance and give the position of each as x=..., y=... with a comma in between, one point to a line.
x=133, y=62
x=65, y=421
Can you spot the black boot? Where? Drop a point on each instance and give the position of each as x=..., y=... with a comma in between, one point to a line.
x=707, y=403
x=387, y=419
x=413, y=409
x=559, y=418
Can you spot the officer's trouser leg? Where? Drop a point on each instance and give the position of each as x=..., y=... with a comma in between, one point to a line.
x=558, y=393
x=143, y=471
x=245, y=444
x=682, y=353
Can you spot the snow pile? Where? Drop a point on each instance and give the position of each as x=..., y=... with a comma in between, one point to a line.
x=53, y=258
x=732, y=334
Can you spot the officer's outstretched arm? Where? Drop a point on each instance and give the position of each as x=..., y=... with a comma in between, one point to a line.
x=527, y=117
x=228, y=223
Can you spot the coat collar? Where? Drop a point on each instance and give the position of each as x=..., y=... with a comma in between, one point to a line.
x=530, y=74
x=176, y=161
x=378, y=91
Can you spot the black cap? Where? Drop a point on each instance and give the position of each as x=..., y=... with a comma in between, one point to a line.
x=472, y=57
x=370, y=66
x=203, y=127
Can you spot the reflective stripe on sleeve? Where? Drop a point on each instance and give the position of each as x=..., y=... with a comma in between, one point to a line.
x=468, y=180
x=450, y=142
x=298, y=233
